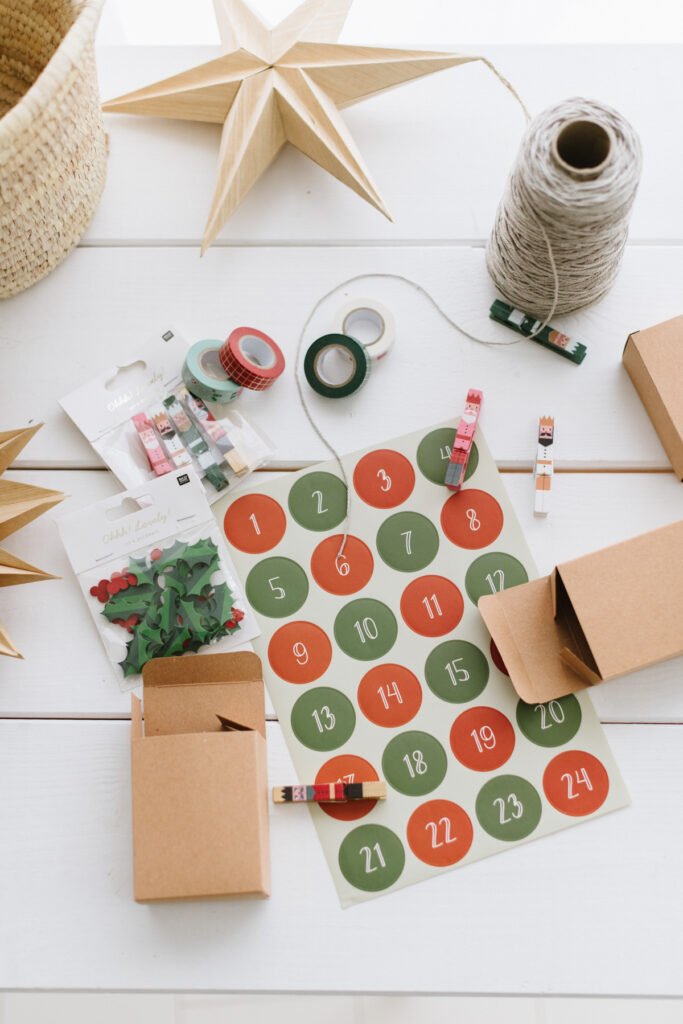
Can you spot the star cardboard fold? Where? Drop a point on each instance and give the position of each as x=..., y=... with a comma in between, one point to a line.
x=19, y=505
x=285, y=84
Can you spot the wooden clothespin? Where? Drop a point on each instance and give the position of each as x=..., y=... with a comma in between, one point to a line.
x=464, y=437
x=544, y=465
x=329, y=792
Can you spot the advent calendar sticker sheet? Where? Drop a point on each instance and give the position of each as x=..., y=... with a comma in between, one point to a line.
x=379, y=666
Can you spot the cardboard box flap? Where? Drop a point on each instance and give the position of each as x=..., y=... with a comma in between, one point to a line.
x=185, y=694
x=627, y=600
x=531, y=641
x=577, y=654
x=654, y=360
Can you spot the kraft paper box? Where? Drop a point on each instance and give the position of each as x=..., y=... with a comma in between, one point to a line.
x=200, y=794
x=654, y=360
x=601, y=616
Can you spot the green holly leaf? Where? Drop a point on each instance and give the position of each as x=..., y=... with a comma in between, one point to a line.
x=133, y=601
x=192, y=617
x=141, y=649
x=221, y=603
x=200, y=580
x=168, y=614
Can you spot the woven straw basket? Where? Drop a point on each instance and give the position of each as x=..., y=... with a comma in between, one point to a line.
x=52, y=141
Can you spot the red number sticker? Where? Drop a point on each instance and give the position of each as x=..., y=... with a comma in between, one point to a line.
x=300, y=652
x=439, y=833
x=432, y=605
x=482, y=739
x=389, y=695
x=472, y=519
x=347, y=768
x=384, y=479
x=576, y=783
x=254, y=523
x=342, y=574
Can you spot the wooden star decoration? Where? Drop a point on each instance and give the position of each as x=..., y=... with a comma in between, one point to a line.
x=19, y=504
x=285, y=84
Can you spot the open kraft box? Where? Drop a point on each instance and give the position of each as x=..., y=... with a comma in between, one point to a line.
x=200, y=794
x=595, y=618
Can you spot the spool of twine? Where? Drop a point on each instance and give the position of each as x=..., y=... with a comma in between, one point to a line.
x=562, y=223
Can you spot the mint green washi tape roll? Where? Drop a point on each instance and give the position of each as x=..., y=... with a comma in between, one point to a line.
x=204, y=377
x=346, y=375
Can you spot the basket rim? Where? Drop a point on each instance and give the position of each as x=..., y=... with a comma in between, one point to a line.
x=67, y=55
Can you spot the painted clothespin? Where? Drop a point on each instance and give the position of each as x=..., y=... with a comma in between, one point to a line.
x=464, y=437
x=329, y=793
x=544, y=465
x=527, y=324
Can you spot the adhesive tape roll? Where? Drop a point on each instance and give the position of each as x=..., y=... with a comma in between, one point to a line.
x=370, y=323
x=252, y=359
x=204, y=377
x=336, y=366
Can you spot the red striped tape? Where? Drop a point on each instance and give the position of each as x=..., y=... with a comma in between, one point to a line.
x=251, y=359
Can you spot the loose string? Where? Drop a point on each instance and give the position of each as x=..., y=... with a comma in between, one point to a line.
x=298, y=375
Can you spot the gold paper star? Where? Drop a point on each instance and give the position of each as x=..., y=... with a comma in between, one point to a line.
x=285, y=84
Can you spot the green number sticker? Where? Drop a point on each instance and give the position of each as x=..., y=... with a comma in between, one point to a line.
x=492, y=573
x=323, y=718
x=456, y=671
x=277, y=587
x=551, y=724
x=407, y=541
x=365, y=629
x=434, y=452
x=414, y=763
x=508, y=807
x=371, y=858
x=318, y=501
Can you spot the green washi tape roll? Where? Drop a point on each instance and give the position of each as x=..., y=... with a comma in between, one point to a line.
x=351, y=366
x=204, y=377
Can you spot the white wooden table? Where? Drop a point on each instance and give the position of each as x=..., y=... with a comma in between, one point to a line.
x=595, y=910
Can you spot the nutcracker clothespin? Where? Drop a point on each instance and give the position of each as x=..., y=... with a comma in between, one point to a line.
x=544, y=465
x=464, y=437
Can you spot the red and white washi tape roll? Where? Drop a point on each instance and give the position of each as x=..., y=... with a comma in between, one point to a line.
x=251, y=359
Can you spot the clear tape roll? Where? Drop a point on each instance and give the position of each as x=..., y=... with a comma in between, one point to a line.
x=370, y=323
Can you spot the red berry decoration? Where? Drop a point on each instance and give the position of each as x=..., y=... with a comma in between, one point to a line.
x=156, y=554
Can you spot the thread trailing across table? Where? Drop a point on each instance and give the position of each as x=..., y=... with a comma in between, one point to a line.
x=562, y=223
x=560, y=230
x=299, y=377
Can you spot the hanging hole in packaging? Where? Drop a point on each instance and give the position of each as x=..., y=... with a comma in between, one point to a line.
x=127, y=507
x=126, y=375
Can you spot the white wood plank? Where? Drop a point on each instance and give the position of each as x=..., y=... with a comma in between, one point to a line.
x=440, y=149
x=101, y=304
x=65, y=672
x=586, y=911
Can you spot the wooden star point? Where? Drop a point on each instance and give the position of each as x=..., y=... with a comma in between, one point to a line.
x=282, y=85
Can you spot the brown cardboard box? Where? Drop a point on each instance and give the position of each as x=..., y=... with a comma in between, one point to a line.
x=200, y=794
x=654, y=360
x=592, y=619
